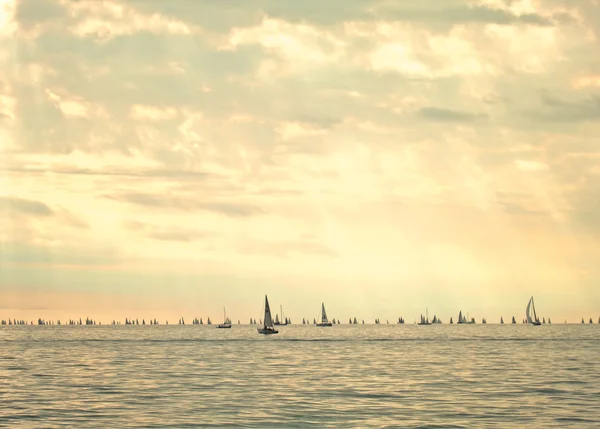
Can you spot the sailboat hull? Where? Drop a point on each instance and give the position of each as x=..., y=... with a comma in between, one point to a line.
x=222, y=326
x=267, y=331
x=325, y=324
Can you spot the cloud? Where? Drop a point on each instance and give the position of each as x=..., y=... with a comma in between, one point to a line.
x=24, y=206
x=58, y=255
x=449, y=115
x=285, y=249
x=557, y=110
x=451, y=12
x=530, y=165
x=171, y=202
x=110, y=19
x=151, y=113
x=177, y=234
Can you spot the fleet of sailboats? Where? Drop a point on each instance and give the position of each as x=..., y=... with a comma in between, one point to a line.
x=267, y=325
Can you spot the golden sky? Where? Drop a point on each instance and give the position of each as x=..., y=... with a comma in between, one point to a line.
x=163, y=159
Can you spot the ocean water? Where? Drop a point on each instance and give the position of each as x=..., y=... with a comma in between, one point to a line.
x=361, y=376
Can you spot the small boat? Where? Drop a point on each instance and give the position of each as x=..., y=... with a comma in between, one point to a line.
x=226, y=321
x=324, y=321
x=532, y=321
x=268, y=327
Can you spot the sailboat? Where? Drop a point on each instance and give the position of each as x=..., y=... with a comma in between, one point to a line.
x=268, y=327
x=324, y=321
x=463, y=320
x=283, y=321
x=226, y=321
x=425, y=320
x=535, y=321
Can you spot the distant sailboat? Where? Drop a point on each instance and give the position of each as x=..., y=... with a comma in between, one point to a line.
x=283, y=321
x=501, y=320
x=513, y=320
x=532, y=321
x=268, y=326
x=226, y=321
x=425, y=320
x=463, y=320
x=324, y=321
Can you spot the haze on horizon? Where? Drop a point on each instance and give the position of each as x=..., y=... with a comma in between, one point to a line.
x=163, y=159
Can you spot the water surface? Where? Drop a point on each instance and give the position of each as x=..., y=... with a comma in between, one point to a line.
x=361, y=376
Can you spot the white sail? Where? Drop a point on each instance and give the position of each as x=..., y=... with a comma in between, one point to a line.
x=531, y=306
x=268, y=320
x=323, y=313
x=528, y=311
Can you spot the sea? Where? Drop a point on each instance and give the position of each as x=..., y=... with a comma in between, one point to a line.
x=344, y=376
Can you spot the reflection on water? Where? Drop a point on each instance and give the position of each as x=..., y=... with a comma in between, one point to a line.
x=378, y=376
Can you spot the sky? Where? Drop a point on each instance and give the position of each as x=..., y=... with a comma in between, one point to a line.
x=166, y=159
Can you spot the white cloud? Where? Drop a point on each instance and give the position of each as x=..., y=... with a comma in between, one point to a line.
x=589, y=81
x=291, y=130
x=108, y=19
x=530, y=165
x=301, y=47
x=7, y=17
x=152, y=113
x=398, y=57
